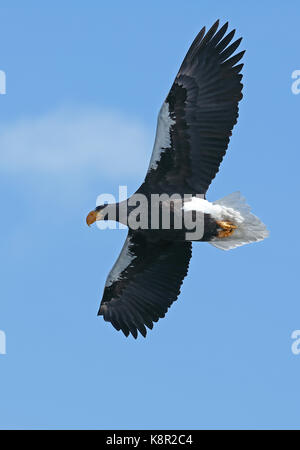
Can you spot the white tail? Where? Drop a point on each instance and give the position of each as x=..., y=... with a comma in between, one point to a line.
x=249, y=227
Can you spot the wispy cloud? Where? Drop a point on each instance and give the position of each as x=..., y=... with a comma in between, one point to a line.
x=75, y=141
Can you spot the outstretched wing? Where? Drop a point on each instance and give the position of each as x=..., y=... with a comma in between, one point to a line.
x=197, y=117
x=144, y=282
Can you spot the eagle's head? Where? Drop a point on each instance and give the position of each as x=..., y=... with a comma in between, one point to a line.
x=96, y=214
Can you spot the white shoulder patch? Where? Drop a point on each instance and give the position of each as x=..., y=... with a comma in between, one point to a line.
x=124, y=260
x=204, y=206
x=162, y=138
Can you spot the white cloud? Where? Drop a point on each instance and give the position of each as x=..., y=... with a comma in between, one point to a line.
x=75, y=141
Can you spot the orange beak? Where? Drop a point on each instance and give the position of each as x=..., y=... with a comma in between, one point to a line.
x=91, y=218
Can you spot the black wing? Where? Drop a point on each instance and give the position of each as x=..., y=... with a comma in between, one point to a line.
x=197, y=117
x=144, y=282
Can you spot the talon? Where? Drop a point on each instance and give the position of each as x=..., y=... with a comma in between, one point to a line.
x=227, y=228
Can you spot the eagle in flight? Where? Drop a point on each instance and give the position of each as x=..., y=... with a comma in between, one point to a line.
x=193, y=132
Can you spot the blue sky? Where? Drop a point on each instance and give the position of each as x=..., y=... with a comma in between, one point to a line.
x=76, y=71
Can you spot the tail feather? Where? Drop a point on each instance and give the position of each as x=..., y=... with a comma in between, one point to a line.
x=249, y=227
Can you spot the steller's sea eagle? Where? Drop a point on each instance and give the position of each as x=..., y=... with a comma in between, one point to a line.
x=193, y=131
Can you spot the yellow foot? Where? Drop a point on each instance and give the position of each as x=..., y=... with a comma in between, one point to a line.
x=227, y=228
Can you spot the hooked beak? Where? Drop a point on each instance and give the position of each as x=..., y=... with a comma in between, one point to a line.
x=91, y=217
